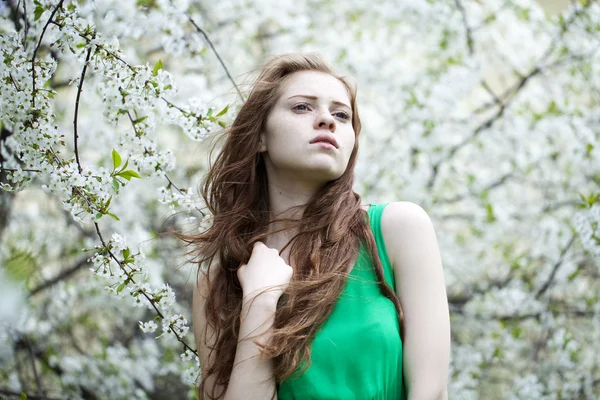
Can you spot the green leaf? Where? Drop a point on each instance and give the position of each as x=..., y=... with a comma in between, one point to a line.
x=140, y=119
x=98, y=215
x=147, y=3
x=573, y=274
x=39, y=10
x=553, y=109
x=20, y=264
x=113, y=215
x=157, y=67
x=497, y=353
x=116, y=159
x=23, y=396
x=108, y=203
x=223, y=124
x=516, y=332
x=429, y=125
x=126, y=253
x=129, y=174
x=491, y=217
x=124, y=166
x=209, y=113
x=223, y=111
x=115, y=185
x=120, y=288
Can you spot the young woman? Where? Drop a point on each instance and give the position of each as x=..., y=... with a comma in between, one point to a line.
x=307, y=293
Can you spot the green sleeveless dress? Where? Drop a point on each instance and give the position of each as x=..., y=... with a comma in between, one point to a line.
x=357, y=353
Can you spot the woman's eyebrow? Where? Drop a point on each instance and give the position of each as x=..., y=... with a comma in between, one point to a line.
x=339, y=103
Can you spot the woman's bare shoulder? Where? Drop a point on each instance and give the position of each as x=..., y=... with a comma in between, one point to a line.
x=398, y=211
x=406, y=228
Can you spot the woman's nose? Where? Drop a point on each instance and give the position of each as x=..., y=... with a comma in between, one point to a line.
x=325, y=120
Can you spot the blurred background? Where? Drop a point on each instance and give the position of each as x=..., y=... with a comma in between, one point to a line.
x=485, y=113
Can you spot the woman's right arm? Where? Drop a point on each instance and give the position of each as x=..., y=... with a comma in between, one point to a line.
x=252, y=375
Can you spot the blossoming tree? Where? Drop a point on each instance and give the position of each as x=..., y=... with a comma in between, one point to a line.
x=485, y=113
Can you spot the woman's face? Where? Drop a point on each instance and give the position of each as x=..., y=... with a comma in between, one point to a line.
x=308, y=133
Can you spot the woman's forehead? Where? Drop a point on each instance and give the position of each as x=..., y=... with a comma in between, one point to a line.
x=317, y=84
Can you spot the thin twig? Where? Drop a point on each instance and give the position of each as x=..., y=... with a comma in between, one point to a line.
x=508, y=93
x=24, y=170
x=58, y=6
x=513, y=90
x=485, y=125
x=15, y=84
x=26, y=23
x=175, y=106
x=120, y=264
x=61, y=276
x=488, y=89
x=79, y=89
x=493, y=13
x=148, y=153
x=29, y=396
x=35, y=371
x=217, y=54
x=557, y=265
x=468, y=33
x=471, y=47
x=22, y=382
x=458, y=302
x=491, y=186
x=15, y=14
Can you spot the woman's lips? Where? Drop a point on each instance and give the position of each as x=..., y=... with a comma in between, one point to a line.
x=325, y=139
x=325, y=145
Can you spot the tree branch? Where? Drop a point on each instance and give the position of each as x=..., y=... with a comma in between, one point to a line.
x=485, y=125
x=498, y=182
x=17, y=395
x=37, y=47
x=120, y=264
x=458, y=302
x=468, y=33
x=15, y=14
x=24, y=170
x=79, y=89
x=60, y=277
x=42, y=357
x=34, y=367
x=513, y=90
x=557, y=265
x=217, y=54
x=26, y=23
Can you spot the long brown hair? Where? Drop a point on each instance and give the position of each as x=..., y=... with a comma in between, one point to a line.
x=332, y=226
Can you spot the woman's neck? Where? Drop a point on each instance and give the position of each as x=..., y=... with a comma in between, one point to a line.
x=286, y=201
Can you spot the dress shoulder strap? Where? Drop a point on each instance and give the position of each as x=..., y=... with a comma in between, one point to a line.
x=375, y=212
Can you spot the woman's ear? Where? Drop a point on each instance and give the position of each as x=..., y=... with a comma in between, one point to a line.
x=262, y=143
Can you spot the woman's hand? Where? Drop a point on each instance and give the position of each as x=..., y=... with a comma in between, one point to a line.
x=265, y=270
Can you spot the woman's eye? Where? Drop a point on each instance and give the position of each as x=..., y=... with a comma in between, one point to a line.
x=299, y=105
x=341, y=114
